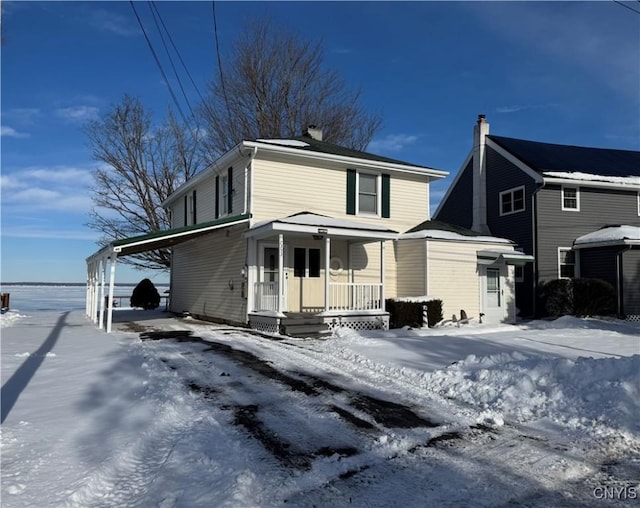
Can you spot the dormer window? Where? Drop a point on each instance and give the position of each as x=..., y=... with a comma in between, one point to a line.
x=570, y=198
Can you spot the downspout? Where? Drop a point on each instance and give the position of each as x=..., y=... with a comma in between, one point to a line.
x=534, y=237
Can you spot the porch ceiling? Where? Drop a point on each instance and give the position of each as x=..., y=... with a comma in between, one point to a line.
x=314, y=224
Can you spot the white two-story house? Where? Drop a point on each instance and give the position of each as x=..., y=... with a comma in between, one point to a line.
x=288, y=234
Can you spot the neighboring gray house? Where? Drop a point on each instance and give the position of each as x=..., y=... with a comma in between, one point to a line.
x=545, y=196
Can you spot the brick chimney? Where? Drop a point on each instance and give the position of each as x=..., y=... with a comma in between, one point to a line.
x=313, y=132
x=480, y=131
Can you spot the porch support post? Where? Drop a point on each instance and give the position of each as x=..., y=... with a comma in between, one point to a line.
x=327, y=260
x=382, y=274
x=112, y=279
x=95, y=271
x=252, y=264
x=103, y=269
x=281, y=281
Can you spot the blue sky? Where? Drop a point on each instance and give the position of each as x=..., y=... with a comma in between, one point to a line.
x=547, y=71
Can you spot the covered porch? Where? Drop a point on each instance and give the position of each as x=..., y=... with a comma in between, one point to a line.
x=309, y=272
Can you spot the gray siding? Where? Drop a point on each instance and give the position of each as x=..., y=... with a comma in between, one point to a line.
x=631, y=282
x=558, y=228
x=502, y=175
x=458, y=208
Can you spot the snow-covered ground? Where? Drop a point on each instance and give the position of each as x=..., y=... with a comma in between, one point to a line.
x=538, y=414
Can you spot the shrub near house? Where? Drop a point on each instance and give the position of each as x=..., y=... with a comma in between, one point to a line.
x=145, y=295
x=579, y=297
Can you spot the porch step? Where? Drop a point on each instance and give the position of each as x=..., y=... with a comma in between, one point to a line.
x=305, y=326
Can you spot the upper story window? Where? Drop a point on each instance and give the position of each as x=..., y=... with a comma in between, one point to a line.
x=512, y=201
x=570, y=198
x=224, y=193
x=368, y=193
x=192, y=208
x=567, y=266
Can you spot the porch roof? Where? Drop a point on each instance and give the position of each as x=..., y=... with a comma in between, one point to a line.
x=512, y=257
x=609, y=236
x=315, y=224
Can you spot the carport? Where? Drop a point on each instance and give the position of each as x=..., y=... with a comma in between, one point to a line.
x=101, y=265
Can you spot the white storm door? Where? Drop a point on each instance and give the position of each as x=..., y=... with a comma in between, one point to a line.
x=270, y=278
x=493, y=297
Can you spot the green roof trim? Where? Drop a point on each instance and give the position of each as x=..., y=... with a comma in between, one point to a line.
x=157, y=237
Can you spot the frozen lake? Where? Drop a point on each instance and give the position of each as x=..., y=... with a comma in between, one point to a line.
x=35, y=298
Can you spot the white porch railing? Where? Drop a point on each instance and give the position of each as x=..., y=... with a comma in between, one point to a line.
x=346, y=296
x=355, y=296
x=266, y=296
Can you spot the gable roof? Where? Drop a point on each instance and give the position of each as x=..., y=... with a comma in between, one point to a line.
x=548, y=157
x=444, y=231
x=309, y=144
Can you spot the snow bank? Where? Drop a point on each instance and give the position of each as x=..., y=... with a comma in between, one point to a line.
x=596, y=396
x=10, y=318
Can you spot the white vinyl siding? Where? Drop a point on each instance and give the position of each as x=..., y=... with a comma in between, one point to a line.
x=412, y=265
x=283, y=188
x=207, y=276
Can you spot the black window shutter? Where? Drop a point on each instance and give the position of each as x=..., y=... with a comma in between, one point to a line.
x=229, y=190
x=351, y=191
x=386, y=196
x=195, y=215
x=186, y=210
x=217, y=196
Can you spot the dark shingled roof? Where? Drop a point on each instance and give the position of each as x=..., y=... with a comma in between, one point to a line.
x=330, y=148
x=543, y=157
x=437, y=225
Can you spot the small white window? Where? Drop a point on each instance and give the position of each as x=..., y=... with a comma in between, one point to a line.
x=368, y=193
x=512, y=201
x=571, y=198
x=567, y=266
x=638, y=203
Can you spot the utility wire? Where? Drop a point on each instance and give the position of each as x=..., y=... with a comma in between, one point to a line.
x=184, y=66
x=166, y=49
x=155, y=57
x=215, y=30
x=626, y=6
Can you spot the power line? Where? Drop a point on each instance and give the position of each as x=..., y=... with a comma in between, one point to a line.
x=184, y=66
x=166, y=49
x=626, y=6
x=215, y=30
x=157, y=60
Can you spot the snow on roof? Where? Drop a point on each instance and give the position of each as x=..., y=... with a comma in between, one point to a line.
x=284, y=142
x=587, y=177
x=611, y=235
x=314, y=219
x=450, y=235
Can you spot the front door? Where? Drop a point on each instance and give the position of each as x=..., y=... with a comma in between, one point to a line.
x=306, y=282
x=270, y=278
x=493, y=295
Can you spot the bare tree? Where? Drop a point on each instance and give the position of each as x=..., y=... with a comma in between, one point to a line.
x=274, y=85
x=140, y=167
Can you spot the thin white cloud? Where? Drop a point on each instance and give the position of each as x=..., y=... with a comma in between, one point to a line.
x=10, y=132
x=22, y=115
x=58, y=189
x=523, y=107
x=107, y=21
x=78, y=114
x=597, y=37
x=392, y=143
x=44, y=232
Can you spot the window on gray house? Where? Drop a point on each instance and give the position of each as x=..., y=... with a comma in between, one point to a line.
x=566, y=263
x=570, y=198
x=512, y=201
